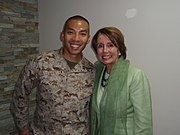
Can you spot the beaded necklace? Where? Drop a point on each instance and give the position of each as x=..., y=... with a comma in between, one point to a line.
x=105, y=78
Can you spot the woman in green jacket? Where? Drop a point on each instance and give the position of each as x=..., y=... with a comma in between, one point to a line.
x=121, y=100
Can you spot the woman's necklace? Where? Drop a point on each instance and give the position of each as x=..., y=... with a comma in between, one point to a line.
x=105, y=78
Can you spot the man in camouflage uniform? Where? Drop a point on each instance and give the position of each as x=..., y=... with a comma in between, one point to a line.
x=63, y=79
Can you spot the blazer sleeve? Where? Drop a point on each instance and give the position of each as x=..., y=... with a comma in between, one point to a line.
x=140, y=97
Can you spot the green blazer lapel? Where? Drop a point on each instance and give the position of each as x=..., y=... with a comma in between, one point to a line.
x=99, y=67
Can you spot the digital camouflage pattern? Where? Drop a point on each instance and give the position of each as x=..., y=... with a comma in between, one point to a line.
x=62, y=95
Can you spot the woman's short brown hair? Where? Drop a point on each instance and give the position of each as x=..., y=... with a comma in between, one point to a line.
x=114, y=35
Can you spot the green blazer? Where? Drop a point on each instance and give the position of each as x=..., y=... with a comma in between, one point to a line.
x=125, y=107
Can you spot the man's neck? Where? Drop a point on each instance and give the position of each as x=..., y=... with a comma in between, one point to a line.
x=72, y=58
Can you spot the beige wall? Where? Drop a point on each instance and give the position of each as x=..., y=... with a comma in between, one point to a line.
x=151, y=30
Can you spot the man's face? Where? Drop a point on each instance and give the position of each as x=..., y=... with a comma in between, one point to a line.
x=74, y=38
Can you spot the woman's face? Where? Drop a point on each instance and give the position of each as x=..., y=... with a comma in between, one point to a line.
x=107, y=52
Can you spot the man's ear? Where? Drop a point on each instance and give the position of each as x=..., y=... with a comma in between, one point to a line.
x=89, y=39
x=62, y=36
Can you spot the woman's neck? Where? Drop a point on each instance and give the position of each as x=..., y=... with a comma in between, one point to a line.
x=108, y=67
